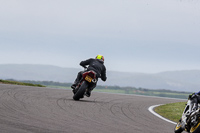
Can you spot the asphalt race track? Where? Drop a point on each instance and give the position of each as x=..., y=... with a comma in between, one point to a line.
x=43, y=110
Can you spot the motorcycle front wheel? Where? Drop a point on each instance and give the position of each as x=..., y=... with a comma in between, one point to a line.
x=195, y=129
x=81, y=91
x=178, y=128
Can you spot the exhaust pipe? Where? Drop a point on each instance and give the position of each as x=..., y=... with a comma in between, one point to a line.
x=94, y=80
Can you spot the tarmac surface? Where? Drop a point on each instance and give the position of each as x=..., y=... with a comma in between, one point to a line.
x=43, y=110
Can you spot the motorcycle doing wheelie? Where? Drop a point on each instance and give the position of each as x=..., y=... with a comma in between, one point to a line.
x=89, y=78
x=190, y=120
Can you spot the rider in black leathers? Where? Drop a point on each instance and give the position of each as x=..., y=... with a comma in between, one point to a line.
x=195, y=98
x=96, y=65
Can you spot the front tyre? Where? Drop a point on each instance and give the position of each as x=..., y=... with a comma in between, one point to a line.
x=178, y=128
x=195, y=129
x=81, y=91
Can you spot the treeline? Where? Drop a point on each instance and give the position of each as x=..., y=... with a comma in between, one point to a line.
x=118, y=89
x=48, y=83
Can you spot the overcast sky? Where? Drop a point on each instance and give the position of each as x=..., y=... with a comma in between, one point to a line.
x=147, y=36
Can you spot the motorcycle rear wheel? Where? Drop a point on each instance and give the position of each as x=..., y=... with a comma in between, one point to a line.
x=195, y=129
x=81, y=91
x=178, y=128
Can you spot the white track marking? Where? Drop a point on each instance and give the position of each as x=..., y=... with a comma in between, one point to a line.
x=152, y=111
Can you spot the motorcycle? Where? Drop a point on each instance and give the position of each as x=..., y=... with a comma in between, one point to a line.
x=89, y=78
x=190, y=120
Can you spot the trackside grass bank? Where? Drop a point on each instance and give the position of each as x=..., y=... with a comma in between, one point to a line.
x=172, y=111
x=118, y=89
x=19, y=83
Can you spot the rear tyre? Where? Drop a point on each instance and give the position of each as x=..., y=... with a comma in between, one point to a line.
x=80, y=93
x=178, y=128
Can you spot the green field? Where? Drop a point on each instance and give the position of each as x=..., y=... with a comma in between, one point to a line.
x=137, y=91
x=19, y=83
x=172, y=111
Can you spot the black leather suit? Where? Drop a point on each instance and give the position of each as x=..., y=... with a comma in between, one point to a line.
x=96, y=65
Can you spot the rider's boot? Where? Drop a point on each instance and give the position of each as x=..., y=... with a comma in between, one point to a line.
x=77, y=80
x=73, y=86
x=88, y=92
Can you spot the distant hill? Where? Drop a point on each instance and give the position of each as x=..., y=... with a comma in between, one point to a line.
x=38, y=72
x=188, y=80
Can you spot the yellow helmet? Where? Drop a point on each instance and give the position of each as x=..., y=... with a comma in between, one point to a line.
x=100, y=57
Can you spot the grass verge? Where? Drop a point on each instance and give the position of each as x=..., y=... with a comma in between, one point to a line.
x=19, y=83
x=172, y=111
